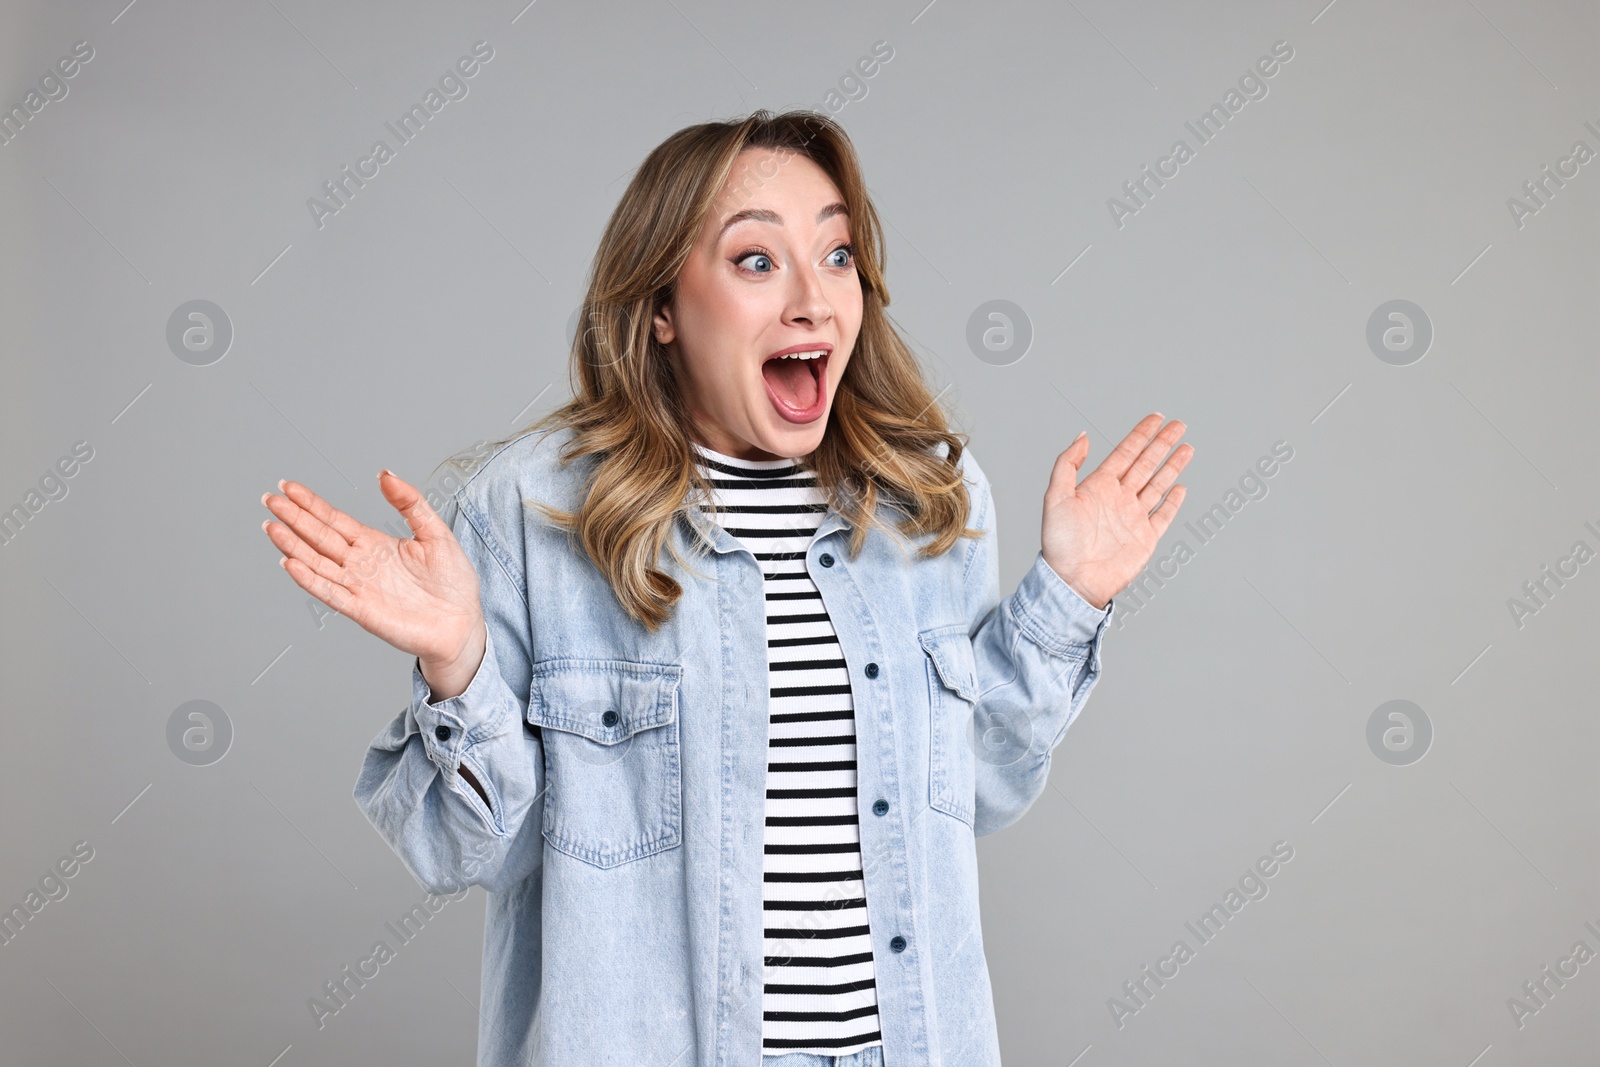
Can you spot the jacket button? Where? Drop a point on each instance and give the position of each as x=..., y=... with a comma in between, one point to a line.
x=880, y=807
x=897, y=943
x=609, y=718
x=442, y=732
x=826, y=559
x=872, y=670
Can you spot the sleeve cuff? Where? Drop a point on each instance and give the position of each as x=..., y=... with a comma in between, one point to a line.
x=1054, y=614
x=450, y=726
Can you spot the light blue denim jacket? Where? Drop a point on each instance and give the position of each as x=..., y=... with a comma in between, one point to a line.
x=621, y=847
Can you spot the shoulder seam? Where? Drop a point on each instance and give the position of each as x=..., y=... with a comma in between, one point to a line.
x=479, y=525
x=495, y=455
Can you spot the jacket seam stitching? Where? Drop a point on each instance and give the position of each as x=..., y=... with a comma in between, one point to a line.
x=473, y=514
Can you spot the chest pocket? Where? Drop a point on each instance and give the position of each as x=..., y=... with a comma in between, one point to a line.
x=612, y=759
x=953, y=697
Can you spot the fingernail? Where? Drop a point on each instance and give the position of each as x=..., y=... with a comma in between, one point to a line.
x=386, y=470
x=264, y=497
x=280, y=485
x=264, y=523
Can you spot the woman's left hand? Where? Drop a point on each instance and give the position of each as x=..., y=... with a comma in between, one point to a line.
x=1099, y=533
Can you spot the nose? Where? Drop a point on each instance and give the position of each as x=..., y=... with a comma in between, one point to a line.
x=808, y=302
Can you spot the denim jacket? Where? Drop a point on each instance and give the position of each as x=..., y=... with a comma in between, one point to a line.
x=621, y=846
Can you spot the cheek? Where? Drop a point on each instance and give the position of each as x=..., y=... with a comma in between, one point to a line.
x=738, y=319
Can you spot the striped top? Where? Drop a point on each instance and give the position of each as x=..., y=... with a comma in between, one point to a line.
x=818, y=993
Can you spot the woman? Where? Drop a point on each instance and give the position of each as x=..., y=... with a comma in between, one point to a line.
x=725, y=802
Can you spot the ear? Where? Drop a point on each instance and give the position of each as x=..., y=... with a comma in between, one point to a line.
x=661, y=322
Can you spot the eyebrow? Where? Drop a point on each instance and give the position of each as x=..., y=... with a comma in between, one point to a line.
x=761, y=214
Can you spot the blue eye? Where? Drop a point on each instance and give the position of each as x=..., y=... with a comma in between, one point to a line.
x=849, y=250
x=754, y=254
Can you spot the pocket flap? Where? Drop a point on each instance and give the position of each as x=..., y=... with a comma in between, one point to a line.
x=605, y=700
x=950, y=648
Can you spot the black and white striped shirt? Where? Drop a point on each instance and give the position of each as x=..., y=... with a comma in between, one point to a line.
x=818, y=994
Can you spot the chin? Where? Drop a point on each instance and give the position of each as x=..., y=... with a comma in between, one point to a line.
x=788, y=441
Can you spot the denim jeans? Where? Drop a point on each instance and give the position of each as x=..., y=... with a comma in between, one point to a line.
x=871, y=1056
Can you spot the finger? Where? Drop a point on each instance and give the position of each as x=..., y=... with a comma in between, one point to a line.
x=293, y=547
x=324, y=512
x=1153, y=454
x=335, y=596
x=1157, y=485
x=1128, y=449
x=313, y=531
x=414, y=507
x=1163, y=516
x=1064, y=474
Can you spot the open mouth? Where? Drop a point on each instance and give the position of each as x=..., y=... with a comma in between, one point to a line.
x=796, y=382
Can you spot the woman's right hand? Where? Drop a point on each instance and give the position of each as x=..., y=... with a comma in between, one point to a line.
x=420, y=594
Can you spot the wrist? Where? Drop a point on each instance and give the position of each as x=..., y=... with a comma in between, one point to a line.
x=1094, y=597
x=449, y=676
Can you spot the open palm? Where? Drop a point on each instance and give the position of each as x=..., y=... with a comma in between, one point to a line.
x=419, y=594
x=1099, y=533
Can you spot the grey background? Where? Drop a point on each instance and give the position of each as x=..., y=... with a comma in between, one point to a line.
x=431, y=312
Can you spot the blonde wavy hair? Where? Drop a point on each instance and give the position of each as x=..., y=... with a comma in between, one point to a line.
x=628, y=412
